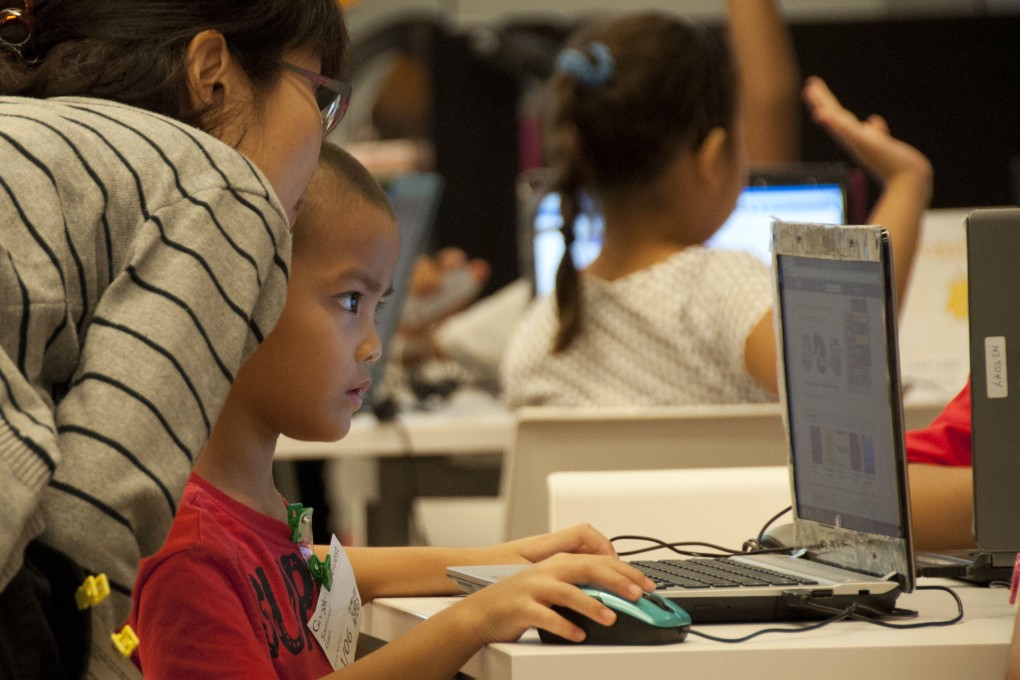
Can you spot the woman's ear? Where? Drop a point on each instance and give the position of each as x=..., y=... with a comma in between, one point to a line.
x=209, y=70
x=714, y=157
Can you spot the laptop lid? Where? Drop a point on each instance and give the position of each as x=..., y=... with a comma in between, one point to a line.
x=800, y=192
x=993, y=243
x=840, y=389
x=415, y=199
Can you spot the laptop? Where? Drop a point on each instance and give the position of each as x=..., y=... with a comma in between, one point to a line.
x=836, y=323
x=415, y=198
x=799, y=192
x=993, y=243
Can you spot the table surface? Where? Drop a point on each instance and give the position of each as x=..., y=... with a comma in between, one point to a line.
x=470, y=422
x=976, y=647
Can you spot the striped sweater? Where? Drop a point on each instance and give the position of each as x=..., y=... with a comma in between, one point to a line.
x=141, y=261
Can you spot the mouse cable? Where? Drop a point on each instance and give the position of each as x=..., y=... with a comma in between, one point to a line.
x=851, y=613
x=799, y=629
x=754, y=544
x=750, y=547
x=859, y=609
x=675, y=547
x=903, y=613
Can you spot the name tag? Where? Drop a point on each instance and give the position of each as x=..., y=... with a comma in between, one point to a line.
x=337, y=618
x=995, y=367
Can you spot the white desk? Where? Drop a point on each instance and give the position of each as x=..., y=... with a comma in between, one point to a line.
x=469, y=423
x=976, y=647
x=469, y=426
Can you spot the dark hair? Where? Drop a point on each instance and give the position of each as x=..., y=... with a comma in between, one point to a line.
x=133, y=51
x=338, y=172
x=671, y=84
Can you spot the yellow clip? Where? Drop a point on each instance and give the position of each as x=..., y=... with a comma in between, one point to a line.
x=125, y=641
x=94, y=590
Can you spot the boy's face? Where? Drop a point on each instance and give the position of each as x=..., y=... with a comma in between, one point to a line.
x=307, y=378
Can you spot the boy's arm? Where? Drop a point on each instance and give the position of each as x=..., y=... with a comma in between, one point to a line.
x=399, y=571
x=769, y=80
x=411, y=571
x=760, y=354
x=440, y=646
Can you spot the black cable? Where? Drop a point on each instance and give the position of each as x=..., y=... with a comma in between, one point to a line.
x=886, y=624
x=761, y=532
x=850, y=612
x=404, y=435
x=657, y=544
x=750, y=547
x=799, y=629
x=410, y=474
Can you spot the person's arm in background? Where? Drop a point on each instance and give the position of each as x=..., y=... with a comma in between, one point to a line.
x=770, y=84
x=941, y=478
x=904, y=173
x=441, y=286
x=941, y=506
x=769, y=80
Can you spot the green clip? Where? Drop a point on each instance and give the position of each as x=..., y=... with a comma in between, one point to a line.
x=321, y=571
x=300, y=520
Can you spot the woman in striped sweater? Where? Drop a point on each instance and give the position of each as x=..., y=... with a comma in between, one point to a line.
x=153, y=157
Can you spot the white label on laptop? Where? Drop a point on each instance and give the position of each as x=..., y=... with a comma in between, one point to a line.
x=337, y=617
x=995, y=367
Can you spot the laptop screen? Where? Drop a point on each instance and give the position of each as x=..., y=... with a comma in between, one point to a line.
x=415, y=200
x=836, y=305
x=747, y=228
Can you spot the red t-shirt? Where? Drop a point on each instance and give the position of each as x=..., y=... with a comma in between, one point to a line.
x=227, y=596
x=947, y=441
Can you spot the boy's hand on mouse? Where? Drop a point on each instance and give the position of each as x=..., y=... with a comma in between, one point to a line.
x=868, y=141
x=503, y=611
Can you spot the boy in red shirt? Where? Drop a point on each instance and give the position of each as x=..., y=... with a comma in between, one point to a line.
x=232, y=591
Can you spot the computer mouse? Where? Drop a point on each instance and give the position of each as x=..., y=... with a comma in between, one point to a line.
x=778, y=538
x=650, y=620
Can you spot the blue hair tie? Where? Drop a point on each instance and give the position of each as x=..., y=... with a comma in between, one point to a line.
x=592, y=68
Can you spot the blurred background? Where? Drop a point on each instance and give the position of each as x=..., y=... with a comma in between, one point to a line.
x=453, y=86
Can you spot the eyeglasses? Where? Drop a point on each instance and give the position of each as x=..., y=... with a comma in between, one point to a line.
x=16, y=24
x=332, y=96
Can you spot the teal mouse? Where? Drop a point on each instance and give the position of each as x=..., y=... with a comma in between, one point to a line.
x=650, y=620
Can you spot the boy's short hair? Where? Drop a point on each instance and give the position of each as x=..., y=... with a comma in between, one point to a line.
x=340, y=173
x=340, y=166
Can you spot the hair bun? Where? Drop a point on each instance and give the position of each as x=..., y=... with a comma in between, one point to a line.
x=592, y=67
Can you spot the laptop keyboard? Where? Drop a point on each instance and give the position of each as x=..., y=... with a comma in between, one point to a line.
x=714, y=573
